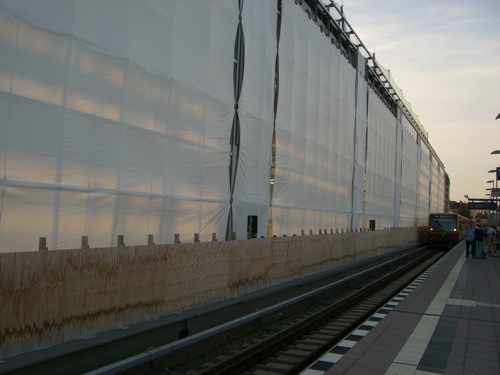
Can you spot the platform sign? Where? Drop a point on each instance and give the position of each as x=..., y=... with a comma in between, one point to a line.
x=495, y=192
x=482, y=205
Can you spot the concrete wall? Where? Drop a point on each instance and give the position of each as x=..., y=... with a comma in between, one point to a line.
x=51, y=297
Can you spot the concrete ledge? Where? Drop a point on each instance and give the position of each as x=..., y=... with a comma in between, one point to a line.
x=52, y=297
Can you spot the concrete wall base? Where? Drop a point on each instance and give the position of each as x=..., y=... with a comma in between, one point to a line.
x=52, y=297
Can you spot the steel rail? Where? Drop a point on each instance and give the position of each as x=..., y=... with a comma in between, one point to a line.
x=159, y=352
x=90, y=355
x=240, y=361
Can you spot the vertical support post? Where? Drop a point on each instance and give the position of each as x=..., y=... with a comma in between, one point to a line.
x=185, y=331
x=42, y=244
x=85, y=242
x=177, y=238
x=151, y=239
x=120, y=241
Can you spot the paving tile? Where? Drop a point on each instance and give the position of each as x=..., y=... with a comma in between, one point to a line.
x=448, y=324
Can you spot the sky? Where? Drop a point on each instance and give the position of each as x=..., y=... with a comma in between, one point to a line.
x=445, y=56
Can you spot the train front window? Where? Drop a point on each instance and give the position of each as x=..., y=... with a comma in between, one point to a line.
x=443, y=224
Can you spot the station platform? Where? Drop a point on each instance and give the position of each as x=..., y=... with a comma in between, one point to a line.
x=446, y=322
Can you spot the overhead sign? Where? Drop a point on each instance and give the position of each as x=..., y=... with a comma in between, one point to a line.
x=495, y=192
x=482, y=205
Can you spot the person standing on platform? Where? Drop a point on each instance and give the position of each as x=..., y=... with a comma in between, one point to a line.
x=478, y=242
x=492, y=236
x=469, y=240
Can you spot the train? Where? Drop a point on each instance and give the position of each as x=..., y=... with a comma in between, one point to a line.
x=445, y=230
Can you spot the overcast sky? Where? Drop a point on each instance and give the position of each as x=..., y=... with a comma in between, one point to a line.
x=445, y=56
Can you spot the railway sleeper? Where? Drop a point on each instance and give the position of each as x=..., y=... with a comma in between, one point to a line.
x=322, y=335
x=305, y=346
x=315, y=338
x=283, y=359
x=356, y=313
x=275, y=366
x=262, y=372
x=343, y=321
x=294, y=352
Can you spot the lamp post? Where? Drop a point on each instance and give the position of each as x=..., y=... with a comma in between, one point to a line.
x=494, y=184
x=496, y=152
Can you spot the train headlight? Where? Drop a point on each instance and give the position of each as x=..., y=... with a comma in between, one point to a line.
x=454, y=229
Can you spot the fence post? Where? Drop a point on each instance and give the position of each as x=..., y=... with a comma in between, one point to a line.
x=151, y=239
x=85, y=242
x=120, y=241
x=42, y=244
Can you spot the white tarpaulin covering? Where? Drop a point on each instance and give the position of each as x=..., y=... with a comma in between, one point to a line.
x=358, y=192
x=424, y=184
x=138, y=117
x=314, y=130
x=381, y=163
x=252, y=193
x=434, y=193
x=409, y=178
x=115, y=119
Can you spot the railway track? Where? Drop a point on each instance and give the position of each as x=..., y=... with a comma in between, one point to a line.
x=292, y=348
x=278, y=332
x=288, y=340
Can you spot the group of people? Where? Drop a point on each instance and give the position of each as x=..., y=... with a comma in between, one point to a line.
x=476, y=238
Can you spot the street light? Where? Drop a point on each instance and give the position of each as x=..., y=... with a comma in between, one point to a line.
x=496, y=152
x=495, y=183
x=492, y=185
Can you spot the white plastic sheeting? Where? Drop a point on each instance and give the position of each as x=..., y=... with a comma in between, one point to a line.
x=359, y=220
x=381, y=163
x=314, y=130
x=435, y=186
x=116, y=119
x=409, y=176
x=424, y=184
x=251, y=195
